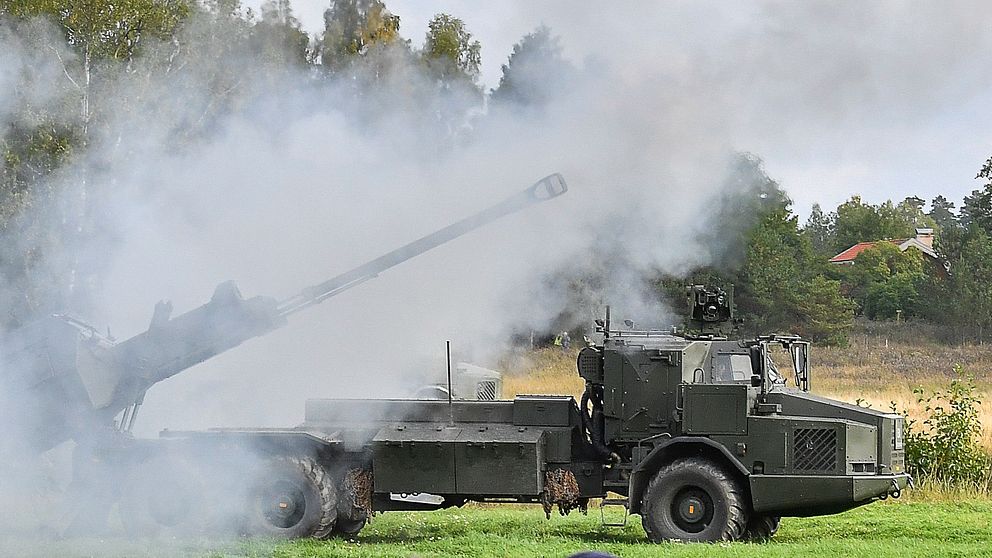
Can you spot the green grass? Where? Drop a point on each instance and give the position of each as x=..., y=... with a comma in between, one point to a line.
x=962, y=528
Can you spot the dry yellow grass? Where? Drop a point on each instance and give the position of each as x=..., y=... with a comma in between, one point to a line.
x=871, y=370
x=879, y=372
x=541, y=372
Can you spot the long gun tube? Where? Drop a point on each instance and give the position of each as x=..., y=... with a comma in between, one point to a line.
x=57, y=356
x=547, y=188
x=173, y=345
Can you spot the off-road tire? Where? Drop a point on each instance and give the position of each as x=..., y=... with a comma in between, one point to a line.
x=163, y=495
x=310, y=506
x=351, y=517
x=349, y=528
x=693, y=499
x=761, y=527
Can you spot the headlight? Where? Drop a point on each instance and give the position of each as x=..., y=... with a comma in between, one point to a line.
x=897, y=434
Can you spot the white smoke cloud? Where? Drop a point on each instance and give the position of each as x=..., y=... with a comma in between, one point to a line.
x=839, y=98
x=665, y=94
x=293, y=186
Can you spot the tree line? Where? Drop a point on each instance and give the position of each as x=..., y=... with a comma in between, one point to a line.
x=785, y=281
x=66, y=131
x=81, y=76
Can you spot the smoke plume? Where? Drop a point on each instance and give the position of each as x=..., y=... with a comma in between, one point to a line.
x=211, y=165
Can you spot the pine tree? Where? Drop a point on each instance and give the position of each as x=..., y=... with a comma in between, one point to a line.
x=819, y=229
x=535, y=71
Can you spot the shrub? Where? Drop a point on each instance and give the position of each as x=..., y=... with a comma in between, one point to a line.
x=944, y=449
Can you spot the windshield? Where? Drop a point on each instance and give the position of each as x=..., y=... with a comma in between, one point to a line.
x=775, y=376
x=793, y=353
x=731, y=368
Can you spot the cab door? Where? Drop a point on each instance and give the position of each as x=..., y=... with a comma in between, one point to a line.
x=649, y=383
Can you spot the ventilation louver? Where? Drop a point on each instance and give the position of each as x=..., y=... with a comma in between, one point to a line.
x=486, y=390
x=815, y=449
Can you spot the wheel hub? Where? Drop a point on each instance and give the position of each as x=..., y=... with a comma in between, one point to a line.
x=692, y=509
x=283, y=505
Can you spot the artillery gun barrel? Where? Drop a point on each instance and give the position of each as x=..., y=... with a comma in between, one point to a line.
x=173, y=345
x=72, y=382
x=547, y=188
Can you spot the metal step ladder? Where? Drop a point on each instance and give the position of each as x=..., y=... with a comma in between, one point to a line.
x=613, y=502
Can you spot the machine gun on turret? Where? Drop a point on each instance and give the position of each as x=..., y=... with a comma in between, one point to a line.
x=711, y=311
x=71, y=380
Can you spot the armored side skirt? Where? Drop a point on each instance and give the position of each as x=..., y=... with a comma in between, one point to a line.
x=803, y=496
x=491, y=460
x=473, y=449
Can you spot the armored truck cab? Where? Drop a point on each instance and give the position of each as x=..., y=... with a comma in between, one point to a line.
x=698, y=413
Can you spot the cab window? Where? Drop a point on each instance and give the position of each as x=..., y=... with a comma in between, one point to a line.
x=728, y=368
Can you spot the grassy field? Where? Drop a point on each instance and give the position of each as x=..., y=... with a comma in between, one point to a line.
x=959, y=528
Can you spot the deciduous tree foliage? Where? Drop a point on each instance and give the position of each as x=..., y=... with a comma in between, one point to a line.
x=277, y=38
x=450, y=51
x=52, y=180
x=783, y=285
x=858, y=222
x=99, y=39
x=354, y=28
x=885, y=282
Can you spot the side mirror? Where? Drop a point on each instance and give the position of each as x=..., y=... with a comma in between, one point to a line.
x=755, y=380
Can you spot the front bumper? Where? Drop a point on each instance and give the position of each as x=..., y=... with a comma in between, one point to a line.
x=807, y=495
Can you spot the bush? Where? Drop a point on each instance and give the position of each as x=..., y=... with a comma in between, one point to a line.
x=944, y=448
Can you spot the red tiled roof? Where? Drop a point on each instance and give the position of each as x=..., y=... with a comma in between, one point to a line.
x=852, y=252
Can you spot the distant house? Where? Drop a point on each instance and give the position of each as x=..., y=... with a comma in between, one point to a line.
x=923, y=241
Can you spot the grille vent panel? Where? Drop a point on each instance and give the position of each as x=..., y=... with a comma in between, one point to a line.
x=486, y=390
x=590, y=364
x=815, y=449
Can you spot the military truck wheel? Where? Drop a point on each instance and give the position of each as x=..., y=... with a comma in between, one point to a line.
x=354, y=502
x=292, y=498
x=349, y=527
x=692, y=499
x=163, y=495
x=760, y=527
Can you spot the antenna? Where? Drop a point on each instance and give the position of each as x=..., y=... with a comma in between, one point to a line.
x=603, y=326
x=606, y=329
x=451, y=409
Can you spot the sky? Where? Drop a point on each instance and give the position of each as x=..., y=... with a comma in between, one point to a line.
x=881, y=100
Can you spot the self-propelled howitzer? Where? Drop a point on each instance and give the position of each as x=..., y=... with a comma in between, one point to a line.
x=701, y=435
x=67, y=380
